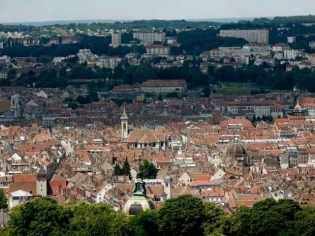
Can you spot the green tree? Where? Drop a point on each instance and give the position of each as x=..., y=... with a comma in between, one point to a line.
x=147, y=170
x=117, y=170
x=238, y=224
x=3, y=200
x=214, y=218
x=182, y=216
x=206, y=91
x=73, y=105
x=126, y=169
x=160, y=97
x=45, y=59
x=83, y=99
x=267, y=217
x=118, y=72
x=304, y=221
x=93, y=97
x=12, y=75
x=138, y=74
x=42, y=216
x=145, y=224
x=99, y=219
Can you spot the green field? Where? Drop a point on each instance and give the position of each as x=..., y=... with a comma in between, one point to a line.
x=234, y=88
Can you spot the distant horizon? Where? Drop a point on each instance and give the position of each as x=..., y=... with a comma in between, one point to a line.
x=30, y=11
x=219, y=20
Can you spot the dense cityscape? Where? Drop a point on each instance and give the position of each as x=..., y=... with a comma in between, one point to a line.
x=158, y=128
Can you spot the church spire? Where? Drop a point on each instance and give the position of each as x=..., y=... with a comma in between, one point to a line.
x=124, y=124
x=124, y=113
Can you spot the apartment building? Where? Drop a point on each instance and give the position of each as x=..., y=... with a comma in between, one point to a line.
x=149, y=38
x=257, y=47
x=280, y=47
x=158, y=49
x=108, y=62
x=252, y=36
x=258, y=108
x=163, y=86
x=116, y=39
x=290, y=54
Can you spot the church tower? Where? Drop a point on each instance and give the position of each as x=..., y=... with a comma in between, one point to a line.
x=124, y=124
x=168, y=186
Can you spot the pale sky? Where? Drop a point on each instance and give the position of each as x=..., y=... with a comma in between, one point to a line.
x=52, y=10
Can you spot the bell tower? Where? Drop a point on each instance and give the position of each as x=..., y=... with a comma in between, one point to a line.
x=124, y=124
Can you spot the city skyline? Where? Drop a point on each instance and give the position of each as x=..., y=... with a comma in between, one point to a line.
x=39, y=10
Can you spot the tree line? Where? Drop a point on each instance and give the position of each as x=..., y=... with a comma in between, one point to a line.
x=97, y=45
x=185, y=215
x=262, y=76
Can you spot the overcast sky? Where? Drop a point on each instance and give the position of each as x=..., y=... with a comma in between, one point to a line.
x=51, y=10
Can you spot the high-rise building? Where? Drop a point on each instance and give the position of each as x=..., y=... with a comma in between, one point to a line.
x=149, y=38
x=252, y=36
x=116, y=39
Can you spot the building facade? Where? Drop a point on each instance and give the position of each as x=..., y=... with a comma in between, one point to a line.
x=252, y=36
x=116, y=39
x=163, y=86
x=151, y=37
x=158, y=49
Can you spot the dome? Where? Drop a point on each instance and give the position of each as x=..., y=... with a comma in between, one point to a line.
x=236, y=150
x=139, y=202
x=297, y=108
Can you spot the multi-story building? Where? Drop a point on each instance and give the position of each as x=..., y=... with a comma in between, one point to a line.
x=116, y=39
x=290, y=54
x=216, y=54
x=70, y=39
x=84, y=55
x=259, y=108
x=108, y=62
x=252, y=36
x=3, y=75
x=163, y=86
x=149, y=38
x=280, y=47
x=257, y=49
x=158, y=49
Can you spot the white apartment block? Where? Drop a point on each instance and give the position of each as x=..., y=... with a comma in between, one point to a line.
x=257, y=47
x=158, y=49
x=108, y=62
x=252, y=36
x=290, y=54
x=116, y=39
x=280, y=47
x=149, y=38
x=246, y=51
